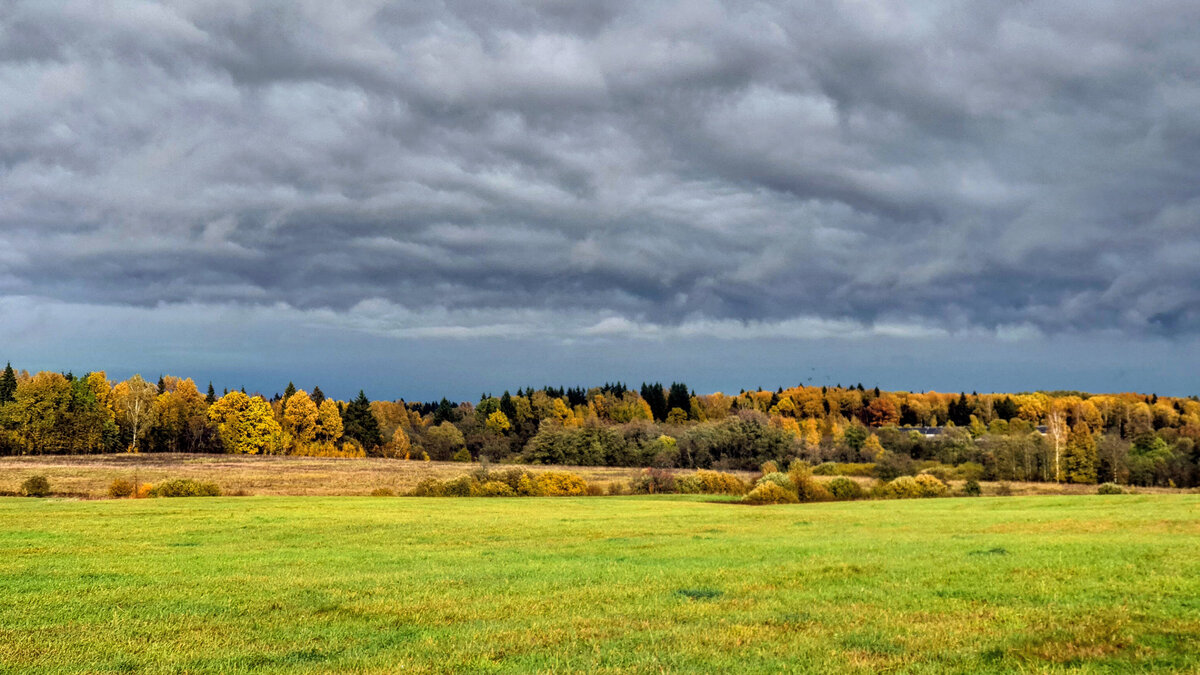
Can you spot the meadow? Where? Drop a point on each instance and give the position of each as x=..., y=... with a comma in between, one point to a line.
x=613, y=584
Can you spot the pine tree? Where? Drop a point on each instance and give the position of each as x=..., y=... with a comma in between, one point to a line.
x=318, y=396
x=211, y=398
x=162, y=385
x=360, y=424
x=289, y=392
x=8, y=385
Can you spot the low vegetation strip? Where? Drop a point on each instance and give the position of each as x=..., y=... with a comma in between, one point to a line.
x=623, y=584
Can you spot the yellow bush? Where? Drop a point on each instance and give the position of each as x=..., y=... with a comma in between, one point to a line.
x=120, y=488
x=718, y=483
x=495, y=488
x=908, y=487
x=560, y=484
x=770, y=493
x=931, y=486
x=143, y=491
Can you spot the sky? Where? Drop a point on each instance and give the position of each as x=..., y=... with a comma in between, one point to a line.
x=452, y=198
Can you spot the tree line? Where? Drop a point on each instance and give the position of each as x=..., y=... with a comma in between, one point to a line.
x=1041, y=436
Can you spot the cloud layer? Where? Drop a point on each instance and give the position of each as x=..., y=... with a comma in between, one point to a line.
x=732, y=170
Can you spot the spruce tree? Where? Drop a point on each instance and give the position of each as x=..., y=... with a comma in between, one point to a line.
x=359, y=423
x=318, y=396
x=211, y=398
x=678, y=397
x=8, y=385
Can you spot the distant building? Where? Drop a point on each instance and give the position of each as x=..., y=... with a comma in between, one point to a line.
x=934, y=432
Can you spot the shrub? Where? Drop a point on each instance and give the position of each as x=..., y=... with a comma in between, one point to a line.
x=930, y=486
x=865, y=469
x=719, y=483
x=689, y=485
x=972, y=489
x=526, y=487
x=1004, y=489
x=1110, y=489
x=970, y=471
x=429, y=487
x=121, y=488
x=769, y=466
x=463, y=486
x=382, y=492
x=654, y=482
x=777, y=478
x=908, y=487
x=903, y=487
x=36, y=486
x=143, y=491
x=185, y=487
x=770, y=493
x=808, y=489
x=495, y=488
x=560, y=484
x=462, y=455
x=893, y=465
x=844, y=489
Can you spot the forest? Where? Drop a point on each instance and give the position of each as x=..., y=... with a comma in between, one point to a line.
x=1063, y=436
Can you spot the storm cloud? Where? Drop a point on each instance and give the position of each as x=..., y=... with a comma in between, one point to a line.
x=607, y=170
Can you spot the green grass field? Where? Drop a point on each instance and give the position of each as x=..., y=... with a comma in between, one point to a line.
x=1099, y=584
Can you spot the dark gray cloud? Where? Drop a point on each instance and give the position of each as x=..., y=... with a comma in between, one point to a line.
x=619, y=169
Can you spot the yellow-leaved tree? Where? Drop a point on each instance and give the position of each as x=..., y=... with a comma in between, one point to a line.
x=329, y=422
x=400, y=446
x=498, y=422
x=180, y=415
x=133, y=400
x=812, y=436
x=246, y=425
x=301, y=419
x=872, y=449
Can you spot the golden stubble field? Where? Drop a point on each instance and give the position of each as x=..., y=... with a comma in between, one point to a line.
x=88, y=476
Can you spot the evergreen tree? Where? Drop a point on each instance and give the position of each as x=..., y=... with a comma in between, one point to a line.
x=211, y=398
x=8, y=385
x=656, y=398
x=508, y=407
x=289, y=392
x=359, y=423
x=678, y=397
x=162, y=385
x=318, y=396
x=445, y=412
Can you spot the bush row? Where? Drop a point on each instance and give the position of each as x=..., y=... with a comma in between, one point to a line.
x=507, y=483
x=179, y=487
x=799, y=485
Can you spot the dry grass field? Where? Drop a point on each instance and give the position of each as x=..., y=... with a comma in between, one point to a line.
x=88, y=476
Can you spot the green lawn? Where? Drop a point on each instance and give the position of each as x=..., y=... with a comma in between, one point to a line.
x=1100, y=584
